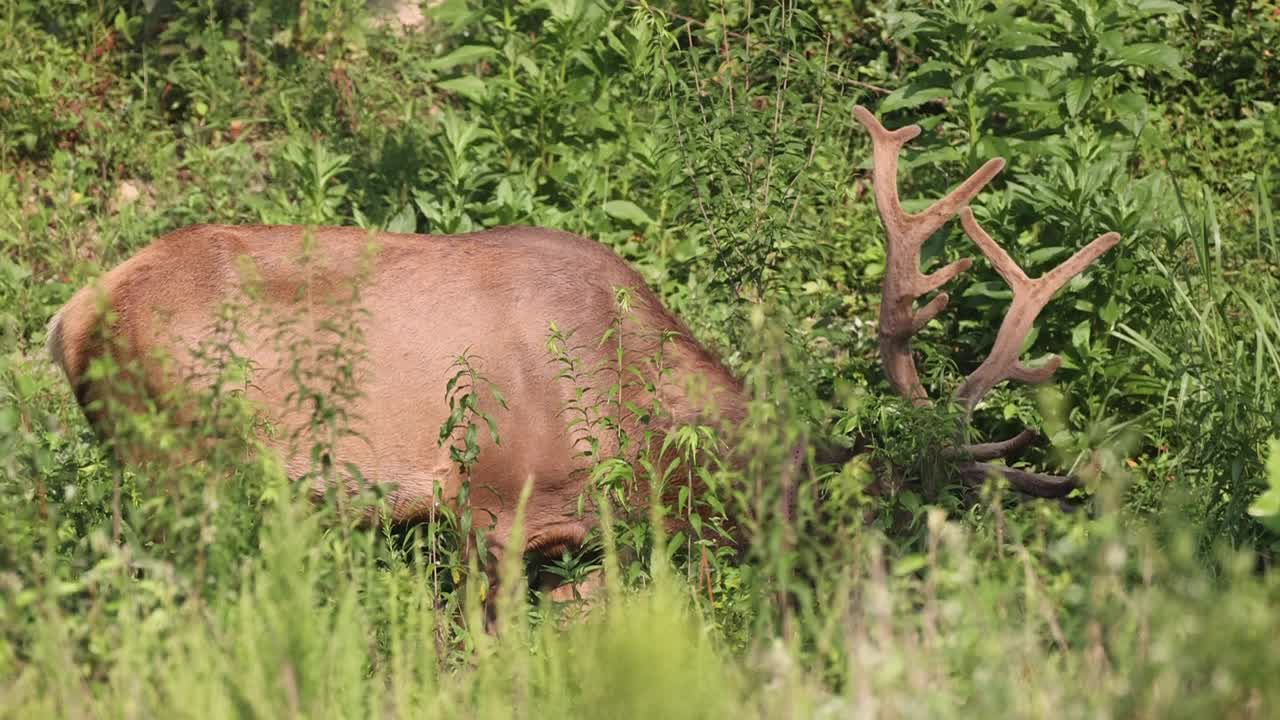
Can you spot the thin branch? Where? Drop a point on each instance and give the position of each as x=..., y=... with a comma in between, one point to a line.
x=813, y=147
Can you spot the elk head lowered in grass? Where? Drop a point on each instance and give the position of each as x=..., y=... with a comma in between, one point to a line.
x=426, y=299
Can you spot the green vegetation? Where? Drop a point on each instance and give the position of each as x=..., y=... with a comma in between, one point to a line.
x=711, y=144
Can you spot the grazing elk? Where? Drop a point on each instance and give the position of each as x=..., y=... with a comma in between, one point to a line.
x=427, y=298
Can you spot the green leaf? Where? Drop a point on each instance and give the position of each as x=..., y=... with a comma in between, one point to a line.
x=1153, y=56
x=468, y=86
x=1131, y=109
x=493, y=429
x=1042, y=255
x=911, y=96
x=1157, y=7
x=497, y=396
x=464, y=55
x=1080, y=337
x=989, y=289
x=451, y=13
x=1110, y=312
x=1079, y=90
x=405, y=221
x=934, y=66
x=12, y=272
x=1020, y=39
x=627, y=210
x=1022, y=87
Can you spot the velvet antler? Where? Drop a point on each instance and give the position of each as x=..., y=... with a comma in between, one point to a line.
x=904, y=284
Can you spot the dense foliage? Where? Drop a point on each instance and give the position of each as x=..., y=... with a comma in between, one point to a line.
x=711, y=144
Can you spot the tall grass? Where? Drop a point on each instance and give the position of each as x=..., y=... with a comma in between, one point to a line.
x=965, y=629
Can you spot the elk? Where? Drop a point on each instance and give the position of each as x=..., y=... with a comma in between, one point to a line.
x=427, y=298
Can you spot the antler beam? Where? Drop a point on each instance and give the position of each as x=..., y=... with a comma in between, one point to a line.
x=906, y=233
x=903, y=284
x=1029, y=298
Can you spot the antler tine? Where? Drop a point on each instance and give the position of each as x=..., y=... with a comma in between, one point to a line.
x=1029, y=298
x=905, y=233
x=1031, y=483
x=885, y=146
x=906, y=228
x=993, y=450
x=1000, y=260
x=975, y=471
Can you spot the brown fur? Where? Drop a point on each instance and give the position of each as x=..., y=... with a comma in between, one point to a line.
x=428, y=299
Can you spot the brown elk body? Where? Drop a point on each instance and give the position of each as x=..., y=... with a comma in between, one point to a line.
x=426, y=300
x=494, y=293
